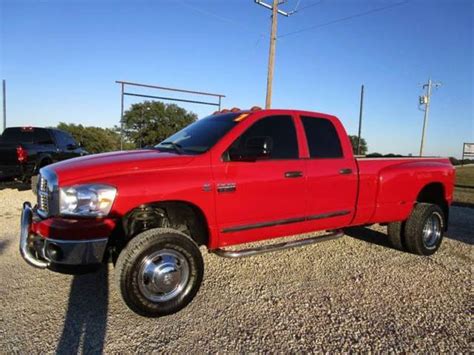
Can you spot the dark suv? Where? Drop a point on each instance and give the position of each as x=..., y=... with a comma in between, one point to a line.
x=24, y=150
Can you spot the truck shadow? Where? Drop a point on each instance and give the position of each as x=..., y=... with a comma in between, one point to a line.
x=461, y=225
x=15, y=185
x=85, y=322
x=369, y=236
x=3, y=245
x=461, y=229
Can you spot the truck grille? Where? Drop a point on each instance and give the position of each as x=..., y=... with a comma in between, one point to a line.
x=43, y=195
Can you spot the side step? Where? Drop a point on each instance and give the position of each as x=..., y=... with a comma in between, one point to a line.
x=279, y=246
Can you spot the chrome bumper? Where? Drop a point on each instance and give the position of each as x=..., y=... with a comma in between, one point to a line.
x=43, y=252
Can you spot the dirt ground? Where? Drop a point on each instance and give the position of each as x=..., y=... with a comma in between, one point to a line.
x=354, y=293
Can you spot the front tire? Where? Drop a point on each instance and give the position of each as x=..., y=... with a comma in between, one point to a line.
x=424, y=229
x=159, y=272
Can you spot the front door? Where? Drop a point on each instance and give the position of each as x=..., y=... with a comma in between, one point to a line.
x=261, y=198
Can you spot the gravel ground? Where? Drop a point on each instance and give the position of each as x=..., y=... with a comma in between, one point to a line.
x=354, y=293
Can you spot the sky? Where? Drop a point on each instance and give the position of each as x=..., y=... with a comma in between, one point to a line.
x=61, y=60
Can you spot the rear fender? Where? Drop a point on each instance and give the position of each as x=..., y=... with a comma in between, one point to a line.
x=400, y=185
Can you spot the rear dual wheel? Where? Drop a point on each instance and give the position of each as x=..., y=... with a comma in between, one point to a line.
x=422, y=233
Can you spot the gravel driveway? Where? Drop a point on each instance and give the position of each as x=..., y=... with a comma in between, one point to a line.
x=354, y=293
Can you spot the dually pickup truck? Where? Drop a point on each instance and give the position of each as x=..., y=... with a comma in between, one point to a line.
x=235, y=177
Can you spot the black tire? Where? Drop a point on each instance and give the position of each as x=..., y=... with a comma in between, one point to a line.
x=134, y=283
x=34, y=184
x=422, y=214
x=396, y=235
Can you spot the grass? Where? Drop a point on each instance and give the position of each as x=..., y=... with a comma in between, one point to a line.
x=464, y=190
x=465, y=176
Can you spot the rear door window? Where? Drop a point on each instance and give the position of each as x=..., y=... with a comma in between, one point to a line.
x=323, y=140
x=63, y=139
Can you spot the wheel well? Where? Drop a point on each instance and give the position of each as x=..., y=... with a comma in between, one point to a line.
x=43, y=162
x=434, y=193
x=179, y=215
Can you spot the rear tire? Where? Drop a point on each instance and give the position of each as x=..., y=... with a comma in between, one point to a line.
x=396, y=235
x=424, y=229
x=159, y=272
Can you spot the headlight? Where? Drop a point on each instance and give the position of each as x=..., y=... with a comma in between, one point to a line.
x=92, y=200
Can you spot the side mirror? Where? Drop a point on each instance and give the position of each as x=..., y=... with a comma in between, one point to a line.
x=71, y=146
x=255, y=148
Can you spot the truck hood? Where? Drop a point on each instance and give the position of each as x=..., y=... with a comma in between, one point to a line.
x=97, y=166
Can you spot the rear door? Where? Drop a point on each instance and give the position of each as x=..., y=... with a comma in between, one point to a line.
x=331, y=174
x=265, y=198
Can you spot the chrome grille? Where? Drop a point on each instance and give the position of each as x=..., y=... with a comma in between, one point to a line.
x=43, y=184
x=43, y=195
x=48, y=193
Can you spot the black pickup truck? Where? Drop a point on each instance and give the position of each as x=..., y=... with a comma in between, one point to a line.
x=24, y=150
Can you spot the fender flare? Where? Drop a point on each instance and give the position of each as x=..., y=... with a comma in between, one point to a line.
x=40, y=162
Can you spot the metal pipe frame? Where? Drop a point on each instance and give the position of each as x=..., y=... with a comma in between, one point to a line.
x=156, y=87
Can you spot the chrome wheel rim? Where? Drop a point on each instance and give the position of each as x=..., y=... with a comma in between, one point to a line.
x=163, y=275
x=432, y=230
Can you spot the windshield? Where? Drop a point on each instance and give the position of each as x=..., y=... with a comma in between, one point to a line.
x=201, y=135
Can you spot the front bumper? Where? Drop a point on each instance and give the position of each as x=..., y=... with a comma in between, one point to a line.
x=43, y=251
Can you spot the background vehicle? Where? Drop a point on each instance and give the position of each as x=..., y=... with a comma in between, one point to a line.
x=25, y=150
x=231, y=178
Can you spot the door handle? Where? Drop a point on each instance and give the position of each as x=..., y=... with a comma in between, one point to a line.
x=293, y=174
x=345, y=171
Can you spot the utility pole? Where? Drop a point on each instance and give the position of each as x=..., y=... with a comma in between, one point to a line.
x=425, y=100
x=4, y=86
x=121, y=115
x=271, y=55
x=360, y=118
x=273, y=37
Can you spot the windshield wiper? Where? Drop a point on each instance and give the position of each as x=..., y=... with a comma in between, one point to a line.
x=177, y=147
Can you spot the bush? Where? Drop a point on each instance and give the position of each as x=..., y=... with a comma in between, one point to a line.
x=93, y=139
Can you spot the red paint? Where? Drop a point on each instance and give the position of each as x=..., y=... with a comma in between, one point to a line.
x=74, y=229
x=377, y=190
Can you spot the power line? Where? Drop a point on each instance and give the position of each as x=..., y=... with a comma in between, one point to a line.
x=306, y=7
x=222, y=18
x=342, y=19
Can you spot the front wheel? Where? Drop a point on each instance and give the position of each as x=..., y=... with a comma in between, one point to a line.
x=424, y=229
x=159, y=272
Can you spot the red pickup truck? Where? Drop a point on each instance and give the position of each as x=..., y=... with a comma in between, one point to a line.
x=231, y=178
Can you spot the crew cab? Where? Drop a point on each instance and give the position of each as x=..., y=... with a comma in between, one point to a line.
x=235, y=177
x=25, y=150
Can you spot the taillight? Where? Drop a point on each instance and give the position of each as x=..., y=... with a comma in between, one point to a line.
x=21, y=154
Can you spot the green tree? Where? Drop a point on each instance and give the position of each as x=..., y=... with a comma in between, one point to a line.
x=148, y=123
x=93, y=139
x=363, y=145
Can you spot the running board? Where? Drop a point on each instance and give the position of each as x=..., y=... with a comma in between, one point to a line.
x=279, y=246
